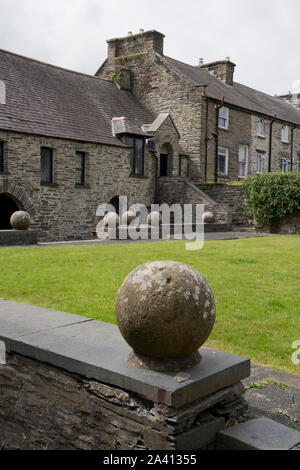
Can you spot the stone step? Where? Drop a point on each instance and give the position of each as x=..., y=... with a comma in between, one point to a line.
x=258, y=434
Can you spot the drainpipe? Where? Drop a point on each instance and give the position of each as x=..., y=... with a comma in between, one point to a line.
x=155, y=156
x=270, y=144
x=216, y=143
x=218, y=107
x=292, y=147
x=206, y=142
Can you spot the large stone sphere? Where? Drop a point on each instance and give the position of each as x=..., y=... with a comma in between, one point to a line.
x=111, y=219
x=208, y=217
x=165, y=309
x=20, y=220
x=154, y=219
x=127, y=217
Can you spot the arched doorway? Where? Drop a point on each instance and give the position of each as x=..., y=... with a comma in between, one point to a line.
x=115, y=202
x=7, y=207
x=166, y=160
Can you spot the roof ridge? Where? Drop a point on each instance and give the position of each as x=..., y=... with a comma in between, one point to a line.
x=54, y=66
x=180, y=61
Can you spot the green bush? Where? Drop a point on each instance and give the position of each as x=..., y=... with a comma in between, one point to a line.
x=272, y=196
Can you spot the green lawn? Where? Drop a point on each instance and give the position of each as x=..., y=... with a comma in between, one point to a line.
x=255, y=282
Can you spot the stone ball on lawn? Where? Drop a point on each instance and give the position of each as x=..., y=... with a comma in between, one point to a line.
x=127, y=217
x=20, y=220
x=165, y=309
x=154, y=219
x=111, y=219
x=208, y=217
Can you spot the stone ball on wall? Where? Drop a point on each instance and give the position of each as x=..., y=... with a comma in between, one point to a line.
x=20, y=220
x=127, y=217
x=111, y=219
x=154, y=219
x=208, y=217
x=165, y=309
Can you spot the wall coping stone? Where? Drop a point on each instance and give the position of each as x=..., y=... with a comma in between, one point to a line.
x=97, y=350
x=202, y=193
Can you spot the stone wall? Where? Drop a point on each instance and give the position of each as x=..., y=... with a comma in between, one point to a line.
x=63, y=211
x=160, y=89
x=43, y=407
x=238, y=133
x=279, y=149
x=230, y=194
x=178, y=190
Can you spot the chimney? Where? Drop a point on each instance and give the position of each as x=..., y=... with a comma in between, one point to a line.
x=123, y=78
x=223, y=69
x=142, y=42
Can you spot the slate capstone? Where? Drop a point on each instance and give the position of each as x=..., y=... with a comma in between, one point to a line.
x=165, y=310
x=20, y=220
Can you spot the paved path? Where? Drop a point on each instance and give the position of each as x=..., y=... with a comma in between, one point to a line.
x=273, y=394
x=208, y=236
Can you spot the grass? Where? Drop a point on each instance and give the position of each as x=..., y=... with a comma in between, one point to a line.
x=255, y=282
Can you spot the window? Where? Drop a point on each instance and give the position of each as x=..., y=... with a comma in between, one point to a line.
x=80, y=168
x=284, y=165
x=223, y=118
x=261, y=128
x=243, y=161
x=285, y=134
x=1, y=157
x=46, y=165
x=222, y=160
x=137, y=145
x=260, y=162
x=298, y=166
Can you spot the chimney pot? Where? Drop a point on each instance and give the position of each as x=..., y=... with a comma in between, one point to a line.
x=201, y=61
x=227, y=58
x=129, y=33
x=141, y=31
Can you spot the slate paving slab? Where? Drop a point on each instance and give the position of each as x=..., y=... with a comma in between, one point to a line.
x=258, y=434
x=273, y=394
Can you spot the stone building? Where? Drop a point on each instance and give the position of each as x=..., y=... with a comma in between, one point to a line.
x=145, y=126
x=228, y=130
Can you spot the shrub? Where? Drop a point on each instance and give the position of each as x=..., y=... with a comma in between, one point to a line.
x=272, y=196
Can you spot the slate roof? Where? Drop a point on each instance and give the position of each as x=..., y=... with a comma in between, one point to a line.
x=159, y=120
x=237, y=95
x=46, y=100
x=121, y=125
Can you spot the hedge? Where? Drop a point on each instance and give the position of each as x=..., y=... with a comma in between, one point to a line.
x=272, y=196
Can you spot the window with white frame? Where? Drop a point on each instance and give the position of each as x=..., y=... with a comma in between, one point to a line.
x=222, y=160
x=285, y=134
x=261, y=128
x=260, y=162
x=243, y=160
x=284, y=165
x=223, y=117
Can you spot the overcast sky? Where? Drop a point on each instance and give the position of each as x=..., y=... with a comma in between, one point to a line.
x=260, y=36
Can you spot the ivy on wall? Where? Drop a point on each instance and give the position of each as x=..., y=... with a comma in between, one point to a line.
x=273, y=196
